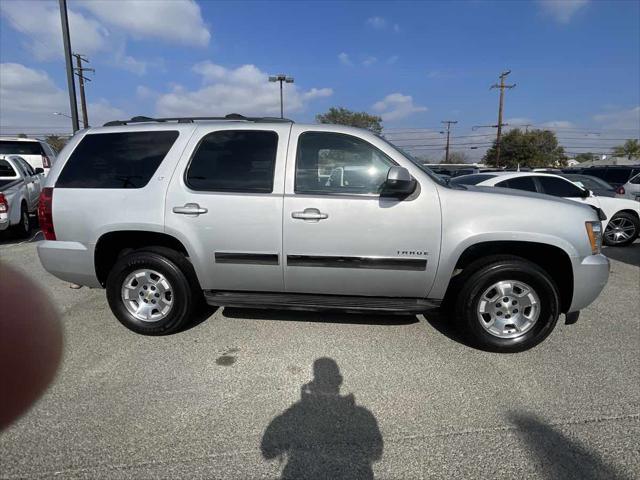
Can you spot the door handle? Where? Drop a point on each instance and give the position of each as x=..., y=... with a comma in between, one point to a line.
x=190, y=209
x=310, y=214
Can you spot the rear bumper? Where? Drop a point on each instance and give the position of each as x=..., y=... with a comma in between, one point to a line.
x=69, y=261
x=590, y=275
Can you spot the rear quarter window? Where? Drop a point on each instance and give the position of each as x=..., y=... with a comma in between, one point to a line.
x=116, y=160
x=6, y=170
x=10, y=147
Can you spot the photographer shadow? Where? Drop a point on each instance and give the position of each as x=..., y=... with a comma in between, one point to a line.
x=324, y=435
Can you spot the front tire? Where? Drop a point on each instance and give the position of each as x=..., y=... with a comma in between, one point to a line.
x=507, y=304
x=622, y=230
x=149, y=291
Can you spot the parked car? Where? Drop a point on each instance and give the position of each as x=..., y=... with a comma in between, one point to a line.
x=616, y=175
x=36, y=153
x=20, y=187
x=239, y=212
x=631, y=189
x=622, y=224
x=598, y=186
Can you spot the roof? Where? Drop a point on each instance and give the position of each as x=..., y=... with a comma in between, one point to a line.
x=234, y=117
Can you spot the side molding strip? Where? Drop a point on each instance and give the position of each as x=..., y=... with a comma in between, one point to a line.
x=247, y=258
x=381, y=263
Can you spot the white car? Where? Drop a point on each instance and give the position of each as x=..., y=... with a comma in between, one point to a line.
x=20, y=187
x=37, y=153
x=631, y=189
x=622, y=225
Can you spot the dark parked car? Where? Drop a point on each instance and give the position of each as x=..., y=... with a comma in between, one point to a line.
x=598, y=186
x=616, y=175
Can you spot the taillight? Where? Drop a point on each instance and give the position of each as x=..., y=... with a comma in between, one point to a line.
x=46, y=163
x=620, y=190
x=45, y=216
x=4, y=206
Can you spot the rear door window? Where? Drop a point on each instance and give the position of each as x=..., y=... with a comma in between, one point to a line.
x=559, y=187
x=234, y=161
x=12, y=147
x=519, y=183
x=116, y=160
x=6, y=170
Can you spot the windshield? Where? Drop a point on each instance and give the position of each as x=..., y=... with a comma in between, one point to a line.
x=435, y=177
x=589, y=182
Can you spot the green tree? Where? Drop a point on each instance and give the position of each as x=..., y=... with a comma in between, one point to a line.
x=535, y=148
x=56, y=142
x=630, y=149
x=585, y=157
x=343, y=116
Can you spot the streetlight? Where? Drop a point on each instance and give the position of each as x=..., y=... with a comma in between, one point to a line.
x=60, y=114
x=281, y=77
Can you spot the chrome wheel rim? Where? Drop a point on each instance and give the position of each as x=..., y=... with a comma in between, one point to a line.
x=619, y=229
x=147, y=295
x=508, y=309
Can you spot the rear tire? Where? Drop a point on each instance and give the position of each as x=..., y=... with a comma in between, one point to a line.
x=506, y=304
x=23, y=228
x=622, y=230
x=151, y=292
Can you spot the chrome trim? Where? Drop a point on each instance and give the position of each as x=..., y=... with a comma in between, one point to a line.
x=247, y=258
x=378, y=263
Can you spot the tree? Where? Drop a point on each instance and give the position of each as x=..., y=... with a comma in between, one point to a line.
x=630, y=149
x=343, y=116
x=56, y=142
x=586, y=157
x=456, y=157
x=535, y=148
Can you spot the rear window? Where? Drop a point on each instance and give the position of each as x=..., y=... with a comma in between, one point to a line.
x=519, y=183
x=12, y=147
x=470, y=179
x=618, y=175
x=6, y=170
x=116, y=160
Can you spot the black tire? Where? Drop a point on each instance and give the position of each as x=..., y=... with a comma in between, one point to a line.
x=629, y=217
x=23, y=228
x=178, y=272
x=480, y=276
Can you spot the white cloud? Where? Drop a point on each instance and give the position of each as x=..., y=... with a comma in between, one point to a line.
x=561, y=10
x=369, y=60
x=40, y=22
x=379, y=23
x=558, y=124
x=397, y=106
x=621, y=120
x=244, y=90
x=29, y=97
x=145, y=93
x=172, y=21
x=392, y=59
x=344, y=59
x=516, y=122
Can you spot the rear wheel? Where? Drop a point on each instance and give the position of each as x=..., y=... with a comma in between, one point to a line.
x=621, y=230
x=150, y=291
x=507, y=304
x=23, y=228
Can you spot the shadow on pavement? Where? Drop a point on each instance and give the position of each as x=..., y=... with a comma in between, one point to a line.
x=324, y=317
x=324, y=435
x=560, y=457
x=443, y=323
x=629, y=255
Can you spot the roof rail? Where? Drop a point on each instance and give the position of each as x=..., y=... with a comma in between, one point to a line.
x=231, y=116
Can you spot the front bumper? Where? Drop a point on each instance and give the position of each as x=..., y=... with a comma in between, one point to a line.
x=590, y=275
x=69, y=261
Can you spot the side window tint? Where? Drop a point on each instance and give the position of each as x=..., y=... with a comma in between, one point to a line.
x=234, y=161
x=520, y=183
x=636, y=180
x=559, y=187
x=337, y=163
x=28, y=168
x=116, y=160
x=618, y=175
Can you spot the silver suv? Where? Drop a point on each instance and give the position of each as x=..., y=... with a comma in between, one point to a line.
x=251, y=212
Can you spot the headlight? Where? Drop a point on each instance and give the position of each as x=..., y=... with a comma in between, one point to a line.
x=594, y=231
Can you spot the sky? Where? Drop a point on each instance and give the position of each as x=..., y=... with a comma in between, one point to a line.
x=575, y=63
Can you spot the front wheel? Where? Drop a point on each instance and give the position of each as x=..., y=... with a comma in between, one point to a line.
x=507, y=304
x=150, y=292
x=622, y=230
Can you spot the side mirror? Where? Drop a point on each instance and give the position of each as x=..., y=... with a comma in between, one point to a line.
x=586, y=193
x=399, y=183
x=39, y=170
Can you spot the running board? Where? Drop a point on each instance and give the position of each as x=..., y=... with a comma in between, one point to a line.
x=304, y=301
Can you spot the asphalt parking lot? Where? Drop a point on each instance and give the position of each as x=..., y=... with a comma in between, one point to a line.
x=226, y=398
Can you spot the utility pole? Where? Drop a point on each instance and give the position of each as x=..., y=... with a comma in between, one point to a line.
x=281, y=77
x=501, y=86
x=66, y=43
x=448, y=122
x=79, y=70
